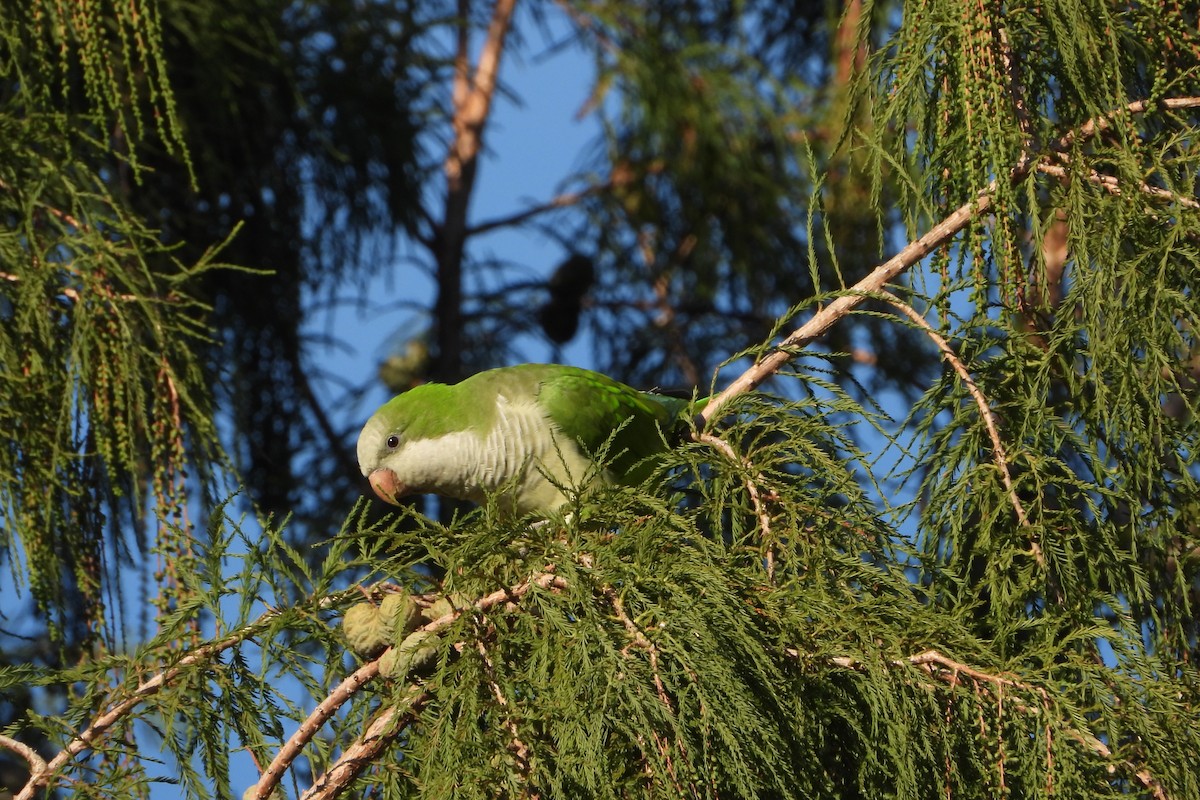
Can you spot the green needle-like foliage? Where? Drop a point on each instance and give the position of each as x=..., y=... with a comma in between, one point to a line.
x=651, y=651
x=869, y=578
x=105, y=398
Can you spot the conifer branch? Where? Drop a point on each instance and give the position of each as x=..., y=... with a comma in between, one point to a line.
x=388, y=724
x=911, y=254
x=518, y=747
x=1113, y=185
x=828, y=316
x=273, y=774
x=59, y=214
x=640, y=640
x=985, y=411
x=147, y=688
x=949, y=671
x=37, y=764
x=332, y=780
x=760, y=510
x=70, y=292
x=1102, y=122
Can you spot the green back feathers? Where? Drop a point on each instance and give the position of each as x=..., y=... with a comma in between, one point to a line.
x=587, y=406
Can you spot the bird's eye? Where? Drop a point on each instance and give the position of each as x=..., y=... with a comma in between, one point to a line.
x=393, y=442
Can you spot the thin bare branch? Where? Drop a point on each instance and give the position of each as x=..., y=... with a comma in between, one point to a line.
x=117, y=711
x=561, y=201
x=937, y=236
x=985, y=411
x=37, y=764
x=359, y=679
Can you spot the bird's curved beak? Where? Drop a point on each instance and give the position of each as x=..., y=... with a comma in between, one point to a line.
x=387, y=486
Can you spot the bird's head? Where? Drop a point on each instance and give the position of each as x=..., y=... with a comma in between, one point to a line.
x=413, y=443
x=379, y=447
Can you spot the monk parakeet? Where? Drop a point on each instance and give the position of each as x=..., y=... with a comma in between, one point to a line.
x=518, y=430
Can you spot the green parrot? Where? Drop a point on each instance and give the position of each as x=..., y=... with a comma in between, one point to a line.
x=517, y=430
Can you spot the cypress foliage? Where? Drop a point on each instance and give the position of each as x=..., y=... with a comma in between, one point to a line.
x=991, y=593
x=105, y=402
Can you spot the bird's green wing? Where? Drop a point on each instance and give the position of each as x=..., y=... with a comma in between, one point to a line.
x=589, y=406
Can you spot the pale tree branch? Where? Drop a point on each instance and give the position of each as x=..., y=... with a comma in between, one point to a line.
x=985, y=411
x=1113, y=186
x=380, y=734
x=37, y=764
x=472, y=98
x=827, y=317
x=1103, y=122
x=937, y=236
x=951, y=671
x=387, y=725
x=119, y=710
x=273, y=774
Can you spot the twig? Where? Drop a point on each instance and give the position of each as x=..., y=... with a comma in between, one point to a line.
x=273, y=774
x=1015, y=84
x=363, y=675
x=825, y=319
x=561, y=201
x=101, y=724
x=910, y=255
x=362, y=753
x=985, y=411
x=37, y=764
x=60, y=214
x=1102, y=122
x=640, y=640
x=519, y=749
x=940, y=666
x=949, y=670
x=1114, y=186
x=760, y=511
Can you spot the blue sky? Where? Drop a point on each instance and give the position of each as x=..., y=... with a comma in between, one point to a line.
x=531, y=147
